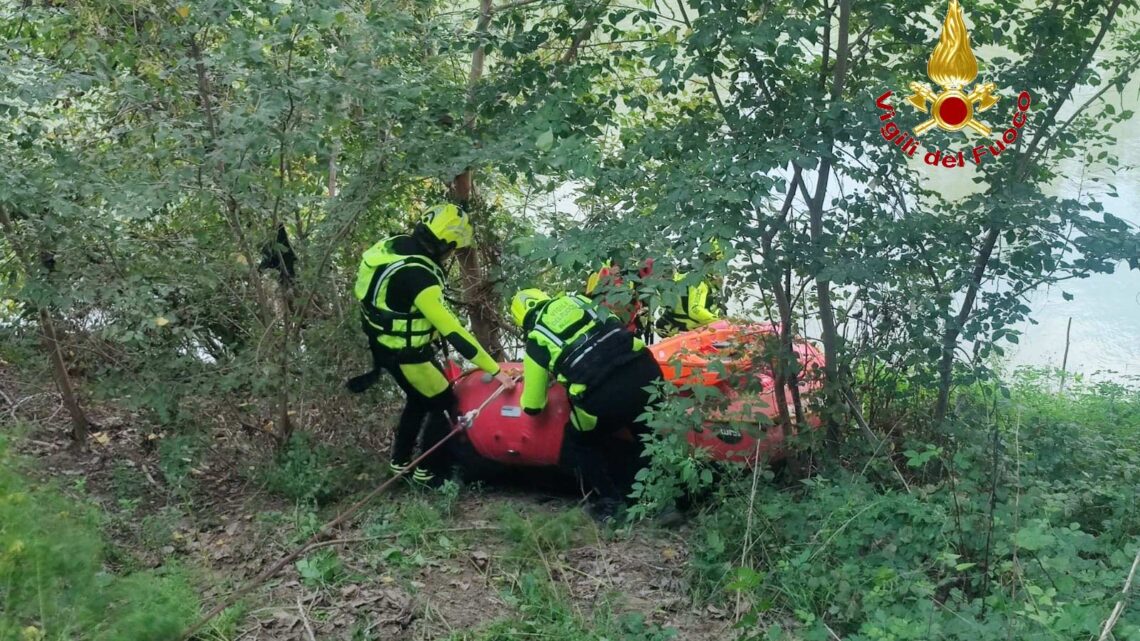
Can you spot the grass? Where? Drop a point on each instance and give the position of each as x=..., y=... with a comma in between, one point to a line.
x=312, y=472
x=54, y=585
x=536, y=543
x=543, y=612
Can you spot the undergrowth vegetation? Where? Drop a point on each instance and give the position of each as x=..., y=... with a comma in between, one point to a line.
x=54, y=581
x=541, y=605
x=1019, y=521
x=307, y=470
x=544, y=613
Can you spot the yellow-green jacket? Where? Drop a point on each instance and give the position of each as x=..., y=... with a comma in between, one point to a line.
x=695, y=308
x=577, y=340
x=404, y=312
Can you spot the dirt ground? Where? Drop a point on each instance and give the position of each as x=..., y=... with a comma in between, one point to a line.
x=389, y=583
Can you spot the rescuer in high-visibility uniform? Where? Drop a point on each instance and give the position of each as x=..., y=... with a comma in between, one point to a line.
x=400, y=286
x=697, y=305
x=693, y=309
x=606, y=371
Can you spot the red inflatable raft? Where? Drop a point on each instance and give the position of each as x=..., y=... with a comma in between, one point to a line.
x=504, y=434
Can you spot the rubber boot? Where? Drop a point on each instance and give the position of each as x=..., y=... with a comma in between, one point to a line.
x=425, y=477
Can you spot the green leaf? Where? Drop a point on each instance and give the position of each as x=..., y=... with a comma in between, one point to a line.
x=1033, y=538
x=744, y=579
x=545, y=140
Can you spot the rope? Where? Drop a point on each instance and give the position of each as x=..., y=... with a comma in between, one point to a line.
x=326, y=530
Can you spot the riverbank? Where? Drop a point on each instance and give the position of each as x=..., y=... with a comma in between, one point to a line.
x=1021, y=520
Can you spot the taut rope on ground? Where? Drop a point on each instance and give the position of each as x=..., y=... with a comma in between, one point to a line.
x=327, y=529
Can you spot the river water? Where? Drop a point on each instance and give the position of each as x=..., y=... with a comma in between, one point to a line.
x=1105, y=310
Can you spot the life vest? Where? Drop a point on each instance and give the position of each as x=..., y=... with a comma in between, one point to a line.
x=405, y=333
x=579, y=342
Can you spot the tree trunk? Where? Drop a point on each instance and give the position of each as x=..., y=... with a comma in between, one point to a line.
x=830, y=334
x=230, y=204
x=267, y=314
x=79, y=422
x=783, y=372
x=954, y=329
x=782, y=366
x=783, y=376
x=478, y=294
x=788, y=359
x=284, y=424
x=993, y=232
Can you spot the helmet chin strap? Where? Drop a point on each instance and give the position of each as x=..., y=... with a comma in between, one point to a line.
x=435, y=249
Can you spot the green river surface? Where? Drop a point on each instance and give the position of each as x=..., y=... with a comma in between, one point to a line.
x=1105, y=310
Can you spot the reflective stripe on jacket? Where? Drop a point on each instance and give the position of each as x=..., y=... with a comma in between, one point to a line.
x=579, y=342
x=395, y=330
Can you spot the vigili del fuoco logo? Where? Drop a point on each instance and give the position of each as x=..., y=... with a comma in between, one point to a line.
x=958, y=106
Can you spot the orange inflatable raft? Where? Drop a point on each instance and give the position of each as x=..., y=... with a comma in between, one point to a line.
x=720, y=355
x=723, y=355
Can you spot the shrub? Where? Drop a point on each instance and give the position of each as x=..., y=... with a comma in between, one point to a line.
x=1019, y=521
x=309, y=471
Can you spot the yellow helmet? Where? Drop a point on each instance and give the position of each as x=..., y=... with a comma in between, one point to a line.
x=450, y=225
x=525, y=301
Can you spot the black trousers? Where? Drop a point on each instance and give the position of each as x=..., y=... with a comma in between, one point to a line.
x=439, y=411
x=616, y=402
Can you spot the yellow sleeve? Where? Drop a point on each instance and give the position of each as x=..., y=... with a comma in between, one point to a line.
x=431, y=305
x=535, y=377
x=698, y=298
